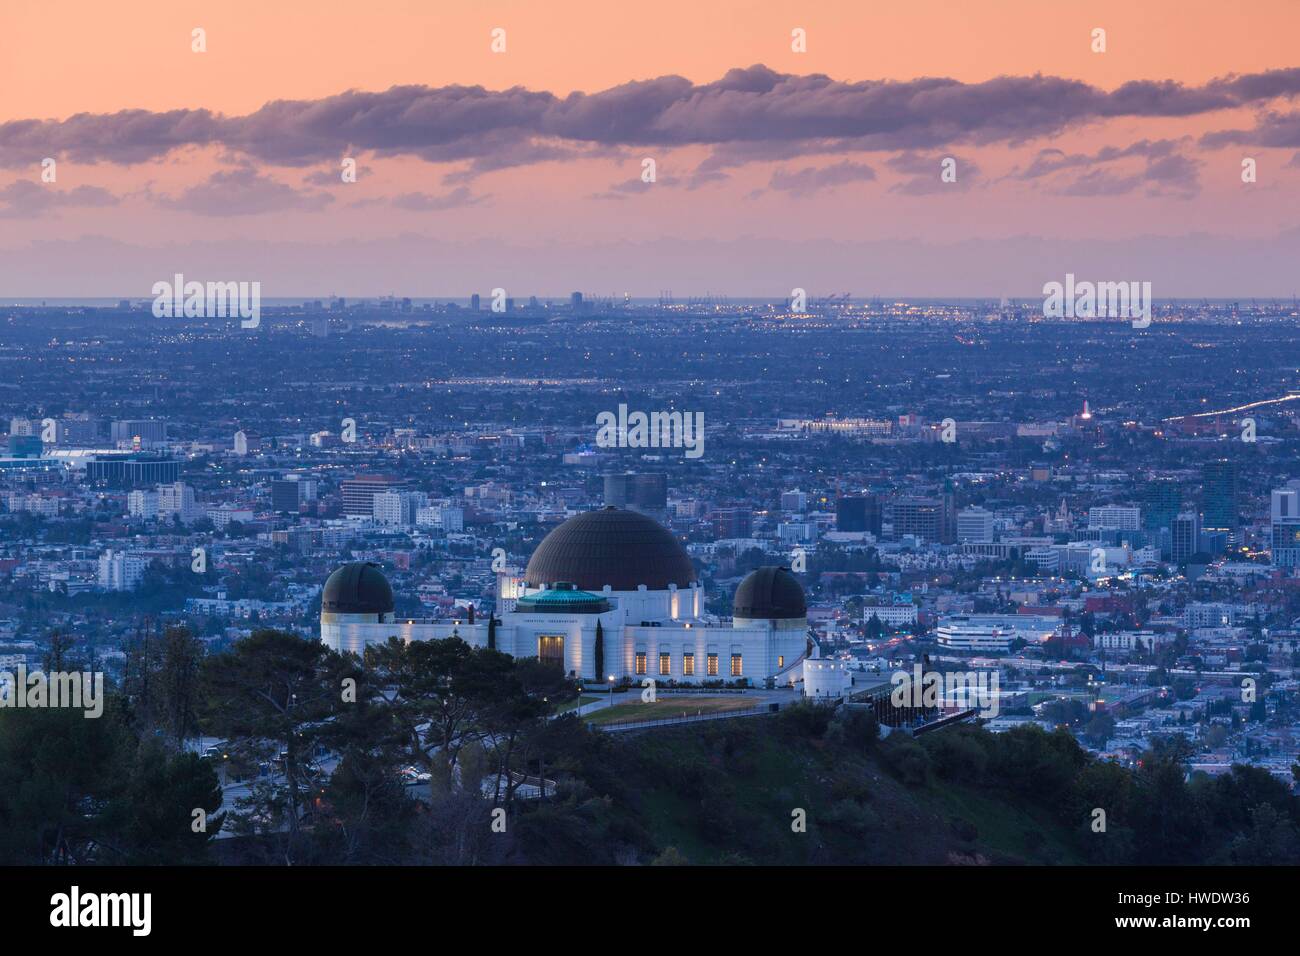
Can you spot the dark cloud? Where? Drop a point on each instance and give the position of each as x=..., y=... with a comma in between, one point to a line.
x=1049, y=161
x=1270, y=130
x=243, y=192
x=748, y=114
x=25, y=199
x=805, y=182
x=1172, y=175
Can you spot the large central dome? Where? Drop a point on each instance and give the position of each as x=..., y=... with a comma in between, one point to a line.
x=611, y=546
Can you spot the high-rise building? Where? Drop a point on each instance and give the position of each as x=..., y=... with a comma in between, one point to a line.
x=858, y=513
x=240, y=445
x=177, y=499
x=646, y=493
x=359, y=492
x=1115, y=518
x=1161, y=501
x=120, y=571
x=1284, y=526
x=921, y=517
x=733, y=523
x=1185, y=531
x=794, y=501
x=147, y=430
x=290, y=493
x=142, y=504
x=1219, y=480
x=975, y=525
x=397, y=508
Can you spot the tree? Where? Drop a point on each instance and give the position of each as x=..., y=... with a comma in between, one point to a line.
x=492, y=632
x=599, y=653
x=270, y=697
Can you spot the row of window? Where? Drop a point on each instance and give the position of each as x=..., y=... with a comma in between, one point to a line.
x=688, y=664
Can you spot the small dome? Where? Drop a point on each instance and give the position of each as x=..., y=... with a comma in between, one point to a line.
x=357, y=588
x=611, y=546
x=769, y=593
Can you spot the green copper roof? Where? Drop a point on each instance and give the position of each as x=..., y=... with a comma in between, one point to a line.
x=564, y=598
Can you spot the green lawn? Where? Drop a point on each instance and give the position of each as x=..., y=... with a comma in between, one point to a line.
x=569, y=705
x=667, y=707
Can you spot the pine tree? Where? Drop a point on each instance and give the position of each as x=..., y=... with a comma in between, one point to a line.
x=492, y=632
x=600, y=652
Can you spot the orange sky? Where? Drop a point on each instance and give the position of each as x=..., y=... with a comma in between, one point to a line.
x=59, y=58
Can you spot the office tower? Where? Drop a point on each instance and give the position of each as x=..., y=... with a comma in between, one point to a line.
x=290, y=493
x=858, y=513
x=1115, y=518
x=733, y=523
x=948, y=514
x=474, y=301
x=1185, y=531
x=147, y=430
x=1219, y=480
x=645, y=493
x=132, y=472
x=82, y=430
x=22, y=426
x=921, y=517
x=575, y=301
x=1284, y=526
x=240, y=446
x=359, y=492
x=1161, y=501
x=794, y=501
x=975, y=525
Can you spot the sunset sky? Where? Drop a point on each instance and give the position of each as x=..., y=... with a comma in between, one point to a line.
x=774, y=168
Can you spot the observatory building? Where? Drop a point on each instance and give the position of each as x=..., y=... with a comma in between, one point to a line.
x=611, y=572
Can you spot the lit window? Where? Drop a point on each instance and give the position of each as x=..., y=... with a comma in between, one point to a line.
x=712, y=666
x=640, y=662
x=737, y=668
x=665, y=664
x=780, y=661
x=688, y=664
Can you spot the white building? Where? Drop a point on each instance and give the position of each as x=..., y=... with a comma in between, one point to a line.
x=892, y=615
x=994, y=632
x=397, y=508
x=142, y=504
x=120, y=570
x=613, y=570
x=177, y=498
x=240, y=443
x=1115, y=518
